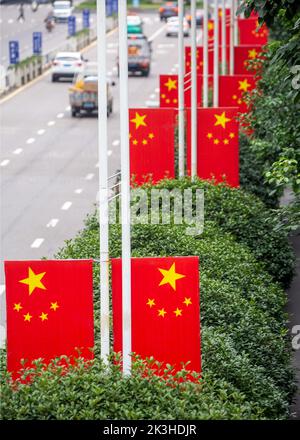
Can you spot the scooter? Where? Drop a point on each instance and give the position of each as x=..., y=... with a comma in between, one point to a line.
x=49, y=25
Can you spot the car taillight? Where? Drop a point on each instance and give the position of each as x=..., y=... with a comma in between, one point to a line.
x=176, y=9
x=79, y=64
x=145, y=63
x=161, y=9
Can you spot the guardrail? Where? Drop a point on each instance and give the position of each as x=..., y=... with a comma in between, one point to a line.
x=20, y=74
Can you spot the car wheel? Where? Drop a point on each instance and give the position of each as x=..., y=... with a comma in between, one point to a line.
x=74, y=112
x=54, y=79
x=146, y=73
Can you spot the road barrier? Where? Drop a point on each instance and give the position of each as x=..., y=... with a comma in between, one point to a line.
x=17, y=75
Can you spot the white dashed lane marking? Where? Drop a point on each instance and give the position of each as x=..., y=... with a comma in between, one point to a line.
x=116, y=143
x=89, y=176
x=18, y=151
x=4, y=163
x=60, y=115
x=41, y=131
x=109, y=153
x=78, y=191
x=37, y=243
x=66, y=206
x=30, y=141
x=50, y=123
x=2, y=289
x=53, y=222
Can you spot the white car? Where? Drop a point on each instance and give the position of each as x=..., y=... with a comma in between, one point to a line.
x=66, y=65
x=134, y=20
x=172, y=27
x=62, y=10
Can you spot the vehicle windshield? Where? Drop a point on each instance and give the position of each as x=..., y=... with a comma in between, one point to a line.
x=137, y=48
x=72, y=59
x=63, y=6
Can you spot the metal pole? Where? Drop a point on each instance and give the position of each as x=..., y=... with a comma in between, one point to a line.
x=231, y=43
x=194, y=91
x=205, y=54
x=216, y=54
x=103, y=182
x=180, y=90
x=223, y=38
x=125, y=188
x=235, y=24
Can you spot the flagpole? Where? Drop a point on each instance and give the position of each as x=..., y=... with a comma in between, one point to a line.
x=223, y=38
x=205, y=54
x=235, y=24
x=193, y=91
x=231, y=43
x=103, y=182
x=180, y=90
x=125, y=188
x=216, y=54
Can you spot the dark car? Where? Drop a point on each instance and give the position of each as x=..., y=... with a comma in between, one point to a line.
x=167, y=10
x=199, y=17
x=139, y=54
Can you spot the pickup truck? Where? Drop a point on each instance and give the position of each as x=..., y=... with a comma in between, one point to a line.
x=83, y=95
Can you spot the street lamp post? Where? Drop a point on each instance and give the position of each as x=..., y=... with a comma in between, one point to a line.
x=180, y=90
x=194, y=91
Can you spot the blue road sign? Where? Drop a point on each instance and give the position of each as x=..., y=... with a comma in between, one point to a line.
x=14, y=53
x=37, y=43
x=71, y=25
x=114, y=6
x=109, y=8
x=86, y=18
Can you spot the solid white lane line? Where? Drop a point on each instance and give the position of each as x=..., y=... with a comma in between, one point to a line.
x=116, y=142
x=18, y=151
x=30, y=141
x=52, y=223
x=78, y=191
x=50, y=123
x=37, y=243
x=109, y=152
x=157, y=33
x=66, y=206
x=41, y=131
x=60, y=115
x=4, y=162
x=89, y=176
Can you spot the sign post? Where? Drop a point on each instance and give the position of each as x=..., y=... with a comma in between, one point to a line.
x=14, y=52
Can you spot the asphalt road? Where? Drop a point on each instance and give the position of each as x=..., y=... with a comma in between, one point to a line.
x=49, y=160
x=12, y=29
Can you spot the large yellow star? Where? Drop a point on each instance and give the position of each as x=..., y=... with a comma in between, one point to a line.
x=139, y=120
x=221, y=120
x=210, y=26
x=252, y=54
x=244, y=85
x=34, y=280
x=170, y=276
x=171, y=84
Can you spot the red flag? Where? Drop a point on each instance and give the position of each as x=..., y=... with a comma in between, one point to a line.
x=165, y=309
x=169, y=90
x=49, y=310
x=152, y=136
x=233, y=89
x=211, y=25
x=200, y=59
x=243, y=55
x=251, y=33
x=217, y=144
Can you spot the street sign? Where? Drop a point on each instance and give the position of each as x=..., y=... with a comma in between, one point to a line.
x=37, y=43
x=109, y=7
x=115, y=6
x=14, y=53
x=86, y=18
x=71, y=25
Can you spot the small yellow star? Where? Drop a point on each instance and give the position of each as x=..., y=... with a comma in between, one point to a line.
x=163, y=95
x=27, y=317
x=139, y=120
x=150, y=135
x=244, y=85
x=167, y=101
x=144, y=142
x=18, y=307
x=226, y=141
x=239, y=101
x=175, y=101
x=234, y=97
x=210, y=26
x=44, y=316
x=221, y=120
x=252, y=53
x=162, y=312
x=216, y=141
x=54, y=306
x=130, y=135
x=171, y=84
x=231, y=135
x=135, y=142
x=209, y=135
x=178, y=312
x=34, y=280
x=187, y=301
x=151, y=302
x=170, y=276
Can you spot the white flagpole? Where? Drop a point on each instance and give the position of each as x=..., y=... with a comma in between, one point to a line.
x=216, y=55
x=235, y=24
x=205, y=54
x=224, y=42
x=125, y=188
x=180, y=90
x=103, y=183
x=193, y=91
x=231, y=43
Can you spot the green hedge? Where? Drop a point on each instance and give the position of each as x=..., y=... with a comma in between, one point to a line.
x=245, y=352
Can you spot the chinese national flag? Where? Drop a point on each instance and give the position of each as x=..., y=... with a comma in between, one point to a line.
x=242, y=56
x=200, y=59
x=217, y=144
x=251, y=33
x=49, y=310
x=210, y=26
x=152, y=136
x=169, y=90
x=233, y=89
x=164, y=307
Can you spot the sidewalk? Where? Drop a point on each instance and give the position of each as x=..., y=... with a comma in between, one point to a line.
x=294, y=313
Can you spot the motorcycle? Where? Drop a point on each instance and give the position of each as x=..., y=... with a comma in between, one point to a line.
x=34, y=6
x=49, y=25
